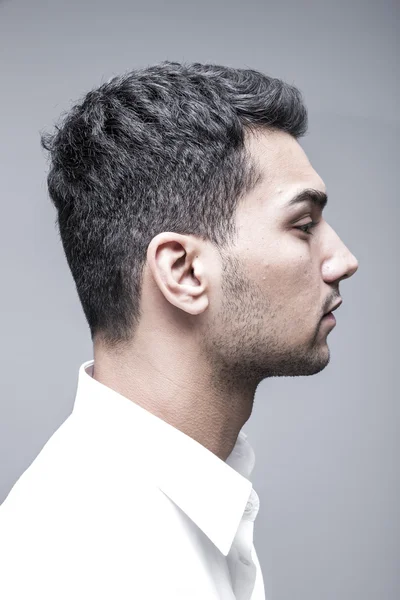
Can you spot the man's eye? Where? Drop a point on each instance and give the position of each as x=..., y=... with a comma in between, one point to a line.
x=307, y=226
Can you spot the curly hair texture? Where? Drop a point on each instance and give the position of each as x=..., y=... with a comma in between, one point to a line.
x=156, y=149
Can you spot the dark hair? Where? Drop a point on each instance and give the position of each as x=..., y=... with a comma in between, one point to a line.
x=156, y=149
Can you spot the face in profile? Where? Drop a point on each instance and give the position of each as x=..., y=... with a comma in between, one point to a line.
x=281, y=277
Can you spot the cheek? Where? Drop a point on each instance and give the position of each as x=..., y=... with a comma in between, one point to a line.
x=281, y=269
x=289, y=285
x=288, y=270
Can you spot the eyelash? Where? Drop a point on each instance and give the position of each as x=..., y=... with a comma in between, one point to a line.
x=309, y=225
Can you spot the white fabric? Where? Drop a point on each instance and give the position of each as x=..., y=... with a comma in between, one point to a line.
x=120, y=505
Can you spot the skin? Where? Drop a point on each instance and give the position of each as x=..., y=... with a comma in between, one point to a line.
x=213, y=328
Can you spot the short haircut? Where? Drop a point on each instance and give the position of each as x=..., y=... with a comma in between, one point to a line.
x=155, y=149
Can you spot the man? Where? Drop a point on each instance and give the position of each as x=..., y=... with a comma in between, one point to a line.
x=192, y=222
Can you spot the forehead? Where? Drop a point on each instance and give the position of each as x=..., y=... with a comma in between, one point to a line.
x=283, y=163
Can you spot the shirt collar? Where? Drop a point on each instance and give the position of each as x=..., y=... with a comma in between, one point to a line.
x=214, y=494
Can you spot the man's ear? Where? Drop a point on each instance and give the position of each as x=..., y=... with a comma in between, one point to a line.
x=177, y=269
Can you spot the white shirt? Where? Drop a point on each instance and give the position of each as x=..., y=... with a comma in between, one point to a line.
x=121, y=505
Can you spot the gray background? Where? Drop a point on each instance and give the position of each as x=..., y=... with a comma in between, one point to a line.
x=327, y=471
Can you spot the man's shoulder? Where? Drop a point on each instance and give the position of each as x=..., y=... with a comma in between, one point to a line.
x=86, y=516
x=75, y=465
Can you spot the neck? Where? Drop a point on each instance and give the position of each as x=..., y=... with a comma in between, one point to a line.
x=180, y=390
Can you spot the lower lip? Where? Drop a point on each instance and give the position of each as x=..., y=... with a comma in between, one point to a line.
x=329, y=318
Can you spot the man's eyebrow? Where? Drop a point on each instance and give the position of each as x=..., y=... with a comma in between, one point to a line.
x=318, y=198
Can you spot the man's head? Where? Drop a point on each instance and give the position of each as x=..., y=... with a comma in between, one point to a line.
x=172, y=186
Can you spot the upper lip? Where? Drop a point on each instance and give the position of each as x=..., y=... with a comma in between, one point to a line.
x=335, y=306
